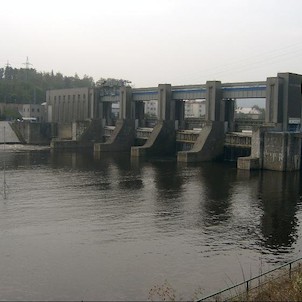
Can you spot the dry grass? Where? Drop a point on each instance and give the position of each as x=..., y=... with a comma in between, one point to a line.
x=162, y=292
x=284, y=287
x=281, y=289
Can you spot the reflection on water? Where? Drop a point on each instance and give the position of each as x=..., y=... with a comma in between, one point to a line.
x=77, y=227
x=279, y=194
x=217, y=194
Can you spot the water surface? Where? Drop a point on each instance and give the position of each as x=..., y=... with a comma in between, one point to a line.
x=79, y=228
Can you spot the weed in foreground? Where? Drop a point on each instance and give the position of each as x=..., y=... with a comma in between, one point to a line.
x=163, y=292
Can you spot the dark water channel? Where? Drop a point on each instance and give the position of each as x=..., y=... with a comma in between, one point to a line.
x=78, y=228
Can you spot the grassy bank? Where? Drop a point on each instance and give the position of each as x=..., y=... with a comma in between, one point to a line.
x=284, y=285
x=283, y=288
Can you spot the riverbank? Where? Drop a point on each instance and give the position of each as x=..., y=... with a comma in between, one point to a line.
x=283, y=283
x=284, y=288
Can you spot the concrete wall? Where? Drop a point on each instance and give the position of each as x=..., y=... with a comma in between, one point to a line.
x=78, y=129
x=282, y=151
x=64, y=131
x=89, y=131
x=8, y=133
x=257, y=148
x=33, y=133
x=272, y=150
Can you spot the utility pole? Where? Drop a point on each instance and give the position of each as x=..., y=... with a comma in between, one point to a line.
x=27, y=66
x=6, y=66
x=27, y=63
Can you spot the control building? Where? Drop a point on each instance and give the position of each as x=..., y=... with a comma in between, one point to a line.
x=70, y=105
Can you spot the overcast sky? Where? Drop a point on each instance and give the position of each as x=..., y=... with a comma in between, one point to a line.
x=152, y=42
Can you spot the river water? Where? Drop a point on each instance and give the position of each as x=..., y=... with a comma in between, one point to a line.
x=79, y=228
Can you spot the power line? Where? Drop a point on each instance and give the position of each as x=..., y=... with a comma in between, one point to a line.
x=260, y=60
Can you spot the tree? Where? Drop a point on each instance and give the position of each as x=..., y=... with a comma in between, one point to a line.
x=110, y=82
x=260, y=110
x=27, y=85
x=111, y=86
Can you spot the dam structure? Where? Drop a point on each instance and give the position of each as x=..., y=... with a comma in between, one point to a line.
x=273, y=144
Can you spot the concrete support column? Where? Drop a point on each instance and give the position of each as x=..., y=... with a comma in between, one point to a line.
x=107, y=112
x=95, y=104
x=292, y=98
x=126, y=103
x=91, y=104
x=284, y=99
x=213, y=101
x=274, y=101
x=164, y=102
x=139, y=113
x=100, y=109
x=229, y=113
x=180, y=113
x=58, y=116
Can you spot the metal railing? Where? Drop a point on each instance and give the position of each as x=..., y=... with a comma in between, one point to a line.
x=187, y=136
x=143, y=133
x=238, y=139
x=243, y=288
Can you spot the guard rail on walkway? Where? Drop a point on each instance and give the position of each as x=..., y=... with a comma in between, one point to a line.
x=246, y=286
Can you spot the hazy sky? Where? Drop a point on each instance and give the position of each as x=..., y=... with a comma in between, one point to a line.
x=152, y=42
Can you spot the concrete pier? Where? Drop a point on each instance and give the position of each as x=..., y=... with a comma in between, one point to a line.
x=209, y=144
x=278, y=151
x=282, y=151
x=161, y=142
x=274, y=146
x=122, y=138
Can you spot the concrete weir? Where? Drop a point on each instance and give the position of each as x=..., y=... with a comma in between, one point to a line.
x=77, y=135
x=121, y=140
x=7, y=134
x=209, y=144
x=161, y=142
x=274, y=145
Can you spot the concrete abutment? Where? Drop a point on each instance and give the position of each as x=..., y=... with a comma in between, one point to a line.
x=277, y=147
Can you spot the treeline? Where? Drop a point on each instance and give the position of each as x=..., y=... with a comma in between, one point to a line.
x=27, y=86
